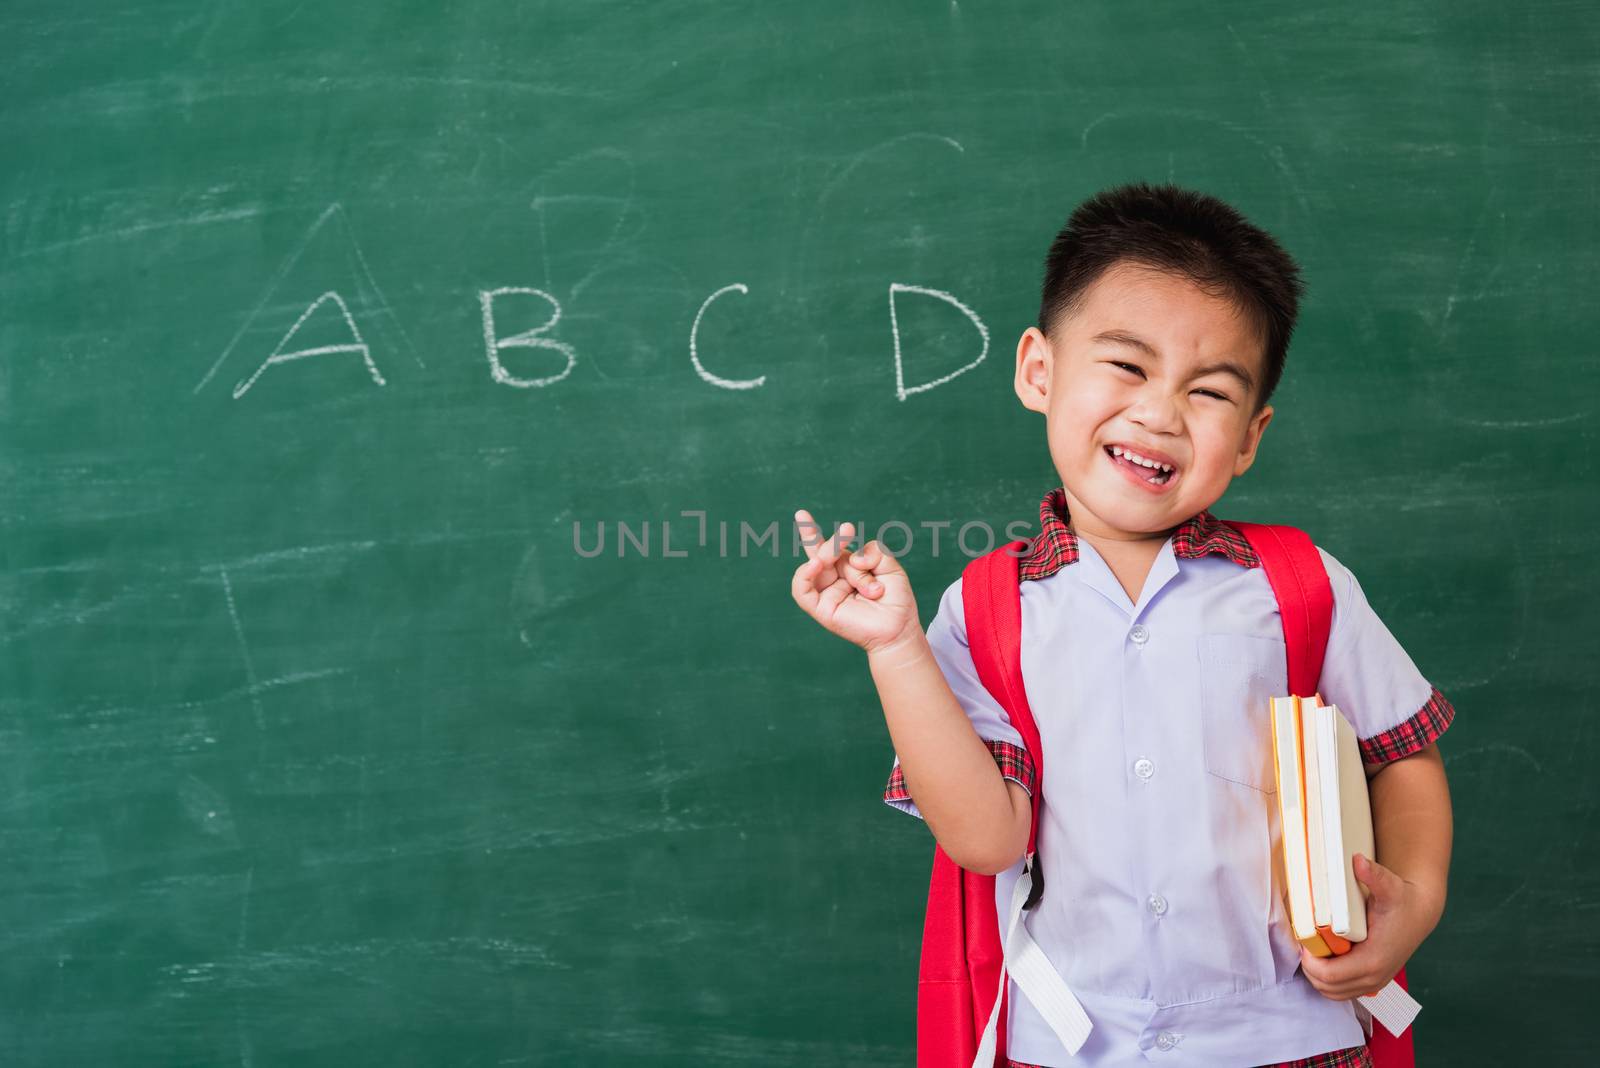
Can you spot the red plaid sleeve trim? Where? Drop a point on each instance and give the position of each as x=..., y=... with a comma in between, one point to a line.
x=1354, y=1057
x=1016, y=764
x=1415, y=733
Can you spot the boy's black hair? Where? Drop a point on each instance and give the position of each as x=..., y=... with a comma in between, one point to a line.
x=1185, y=232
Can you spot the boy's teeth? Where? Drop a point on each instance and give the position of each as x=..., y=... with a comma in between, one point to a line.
x=1133, y=457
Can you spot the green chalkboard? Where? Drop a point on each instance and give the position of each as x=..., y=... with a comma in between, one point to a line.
x=333, y=335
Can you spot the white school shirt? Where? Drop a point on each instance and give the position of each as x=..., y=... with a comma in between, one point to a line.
x=1159, y=828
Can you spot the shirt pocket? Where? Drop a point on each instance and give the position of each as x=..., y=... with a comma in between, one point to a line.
x=1239, y=676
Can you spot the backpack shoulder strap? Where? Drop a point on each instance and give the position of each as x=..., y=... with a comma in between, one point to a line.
x=991, y=601
x=961, y=988
x=991, y=595
x=1299, y=581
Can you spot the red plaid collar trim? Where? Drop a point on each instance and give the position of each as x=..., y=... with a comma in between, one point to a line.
x=1056, y=546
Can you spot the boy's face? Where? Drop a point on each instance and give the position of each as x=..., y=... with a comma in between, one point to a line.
x=1099, y=388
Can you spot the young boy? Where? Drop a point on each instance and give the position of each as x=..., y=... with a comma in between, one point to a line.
x=1151, y=642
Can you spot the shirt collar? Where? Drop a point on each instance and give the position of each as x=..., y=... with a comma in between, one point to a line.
x=1057, y=546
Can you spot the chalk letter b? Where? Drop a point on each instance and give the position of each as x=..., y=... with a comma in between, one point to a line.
x=528, y=339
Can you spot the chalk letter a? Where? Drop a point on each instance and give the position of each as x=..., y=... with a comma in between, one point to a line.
x=279, y=356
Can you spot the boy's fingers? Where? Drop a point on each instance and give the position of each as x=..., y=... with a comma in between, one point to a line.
x=864, y=582
x=811, y=538
x=871, y=557
x=830, y=559
x=804, y=588
x=810, y=533
x=866, y=557
x=834, y=547
x=815, y=544
x=862, y=569
x=1340, y=976
x=819, y=576
x=859, y=577
x=874, y=565
x=812, y=580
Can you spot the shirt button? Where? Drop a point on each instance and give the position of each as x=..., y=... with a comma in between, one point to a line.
x=1167, y=1039
x=1144, y=767
x=1156, y=904
x=1140, y=634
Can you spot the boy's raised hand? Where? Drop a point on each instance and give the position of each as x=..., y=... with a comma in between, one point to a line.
x=864, y=597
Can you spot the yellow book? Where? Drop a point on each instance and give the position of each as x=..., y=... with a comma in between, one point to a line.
x=1286, y=763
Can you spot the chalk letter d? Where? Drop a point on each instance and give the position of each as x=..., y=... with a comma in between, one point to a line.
x=900, y=388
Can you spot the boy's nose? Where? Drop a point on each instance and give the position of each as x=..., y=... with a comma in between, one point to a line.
x=1159, y=415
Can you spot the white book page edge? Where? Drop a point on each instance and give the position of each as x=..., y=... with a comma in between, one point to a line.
x=1333, y=820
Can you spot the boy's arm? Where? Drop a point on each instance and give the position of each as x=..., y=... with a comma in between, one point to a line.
x=1412, y=826
x=980, y=819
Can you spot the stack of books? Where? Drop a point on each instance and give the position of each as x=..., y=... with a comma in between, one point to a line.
x=1327, y=819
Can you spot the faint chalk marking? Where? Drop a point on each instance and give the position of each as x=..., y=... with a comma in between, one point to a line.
x=624, y=206
x=63, y=616
x=867, y=153
x=205, y=218
x=206, y=808
x=300, y=552
x=279, y=356
x=301, y=676
x=244, y=649
x=1274, y=153
x=900, y=389
x=1521, y=424
x=694, y=353
x=244, y=908
x=819, y=210
x=1454, y=296
x=246, y=1046
x=383, y=300
x=528, y=339
x=290, y=16
x=255, y=689
x=1506, y=748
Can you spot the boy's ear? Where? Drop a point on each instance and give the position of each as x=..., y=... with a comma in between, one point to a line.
x=1034, y=365
x=1252, y=440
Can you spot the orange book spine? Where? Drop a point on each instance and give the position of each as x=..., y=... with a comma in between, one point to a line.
x=1337, y=944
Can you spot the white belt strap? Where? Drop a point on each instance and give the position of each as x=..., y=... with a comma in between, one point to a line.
x=1036, y=978
x=1392, y=1007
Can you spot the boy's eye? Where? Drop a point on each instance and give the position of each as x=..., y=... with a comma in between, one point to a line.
x=1136, y=370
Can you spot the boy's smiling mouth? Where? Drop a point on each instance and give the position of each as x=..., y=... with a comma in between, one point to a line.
x=1151, y=470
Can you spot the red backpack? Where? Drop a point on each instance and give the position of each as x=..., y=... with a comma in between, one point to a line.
x=961, y=947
